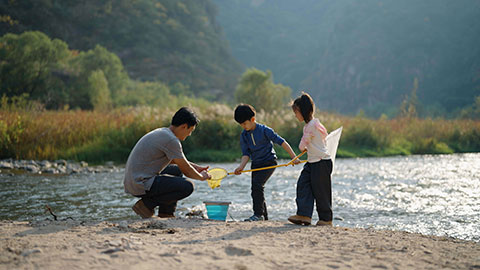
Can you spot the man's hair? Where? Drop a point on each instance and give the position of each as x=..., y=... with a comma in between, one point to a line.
x=185, y=116
x=244, y=112
x=305, y=105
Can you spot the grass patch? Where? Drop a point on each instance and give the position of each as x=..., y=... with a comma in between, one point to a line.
x=96, y=137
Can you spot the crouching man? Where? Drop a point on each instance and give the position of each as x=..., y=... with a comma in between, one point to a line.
x=156, y=166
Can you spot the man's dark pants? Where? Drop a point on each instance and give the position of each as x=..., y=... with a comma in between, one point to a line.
x=259, y=178
x=168, y=188
x=315, y=184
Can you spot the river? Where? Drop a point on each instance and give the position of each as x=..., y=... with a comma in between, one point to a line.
x=428, y=194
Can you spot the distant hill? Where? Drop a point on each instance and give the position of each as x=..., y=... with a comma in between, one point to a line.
x=362, y=55
x=167, y=40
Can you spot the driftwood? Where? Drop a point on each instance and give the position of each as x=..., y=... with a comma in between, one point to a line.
x=55, y=216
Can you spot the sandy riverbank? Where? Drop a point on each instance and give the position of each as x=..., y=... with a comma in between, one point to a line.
x=203, y=244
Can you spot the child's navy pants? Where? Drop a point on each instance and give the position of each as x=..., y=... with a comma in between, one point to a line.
x=259, y=178
x=315, y=185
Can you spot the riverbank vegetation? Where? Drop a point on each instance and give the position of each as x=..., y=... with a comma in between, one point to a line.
x=29, y=132
x=61, y=103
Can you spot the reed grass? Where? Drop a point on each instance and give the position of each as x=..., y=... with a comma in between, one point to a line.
x=98, y=136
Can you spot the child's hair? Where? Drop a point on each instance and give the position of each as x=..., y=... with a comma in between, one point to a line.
x=305, y=105
x=244, y=112
x=185, y=116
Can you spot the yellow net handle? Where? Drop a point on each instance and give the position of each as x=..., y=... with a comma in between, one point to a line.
x=275, y=166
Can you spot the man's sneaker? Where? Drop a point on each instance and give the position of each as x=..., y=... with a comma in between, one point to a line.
x=300, y=220
x=254, y=218
x=324, y=223
x=165, y=215
x=142, y=210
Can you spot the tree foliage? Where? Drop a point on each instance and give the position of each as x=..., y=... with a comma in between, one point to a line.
x=98, y=91
x=28, y=63
x=42, y=69
x=157, y=40
x=257, y=89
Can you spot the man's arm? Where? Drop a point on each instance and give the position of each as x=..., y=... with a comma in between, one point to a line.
x=189, y=171
x=198, y=167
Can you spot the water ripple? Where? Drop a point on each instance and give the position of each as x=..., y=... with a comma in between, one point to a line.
x=435, y=195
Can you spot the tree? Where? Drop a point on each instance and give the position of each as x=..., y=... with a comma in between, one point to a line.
x=472, y=111
x=409, y=105
x=257, y=89
x=27, y=66
x=98, y=91
x=158, y=40
x=101, y=59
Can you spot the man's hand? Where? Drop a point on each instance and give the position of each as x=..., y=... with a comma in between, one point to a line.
x=199, y=168
x=192, y=170
x=205, y=175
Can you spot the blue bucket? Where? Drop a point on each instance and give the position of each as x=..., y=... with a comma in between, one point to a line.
x=217, y=210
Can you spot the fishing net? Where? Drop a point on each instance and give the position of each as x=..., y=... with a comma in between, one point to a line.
x=217, y=175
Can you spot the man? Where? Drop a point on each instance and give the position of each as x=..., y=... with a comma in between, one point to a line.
x=147, y=175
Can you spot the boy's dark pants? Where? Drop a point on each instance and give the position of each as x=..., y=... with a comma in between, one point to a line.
x=167, y=189
x=259, y=178
x=315, y=184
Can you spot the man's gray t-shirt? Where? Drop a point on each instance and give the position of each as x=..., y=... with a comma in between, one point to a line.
x=152, y=153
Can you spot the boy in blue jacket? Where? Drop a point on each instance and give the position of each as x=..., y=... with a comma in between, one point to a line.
x=256, y=142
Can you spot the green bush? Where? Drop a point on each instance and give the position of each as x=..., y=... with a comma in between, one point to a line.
x=430, y=146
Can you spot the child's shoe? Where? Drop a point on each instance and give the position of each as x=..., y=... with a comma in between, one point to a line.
x=165, y=215
x=324, y=223
x=300, y=220
x=254, y=218
x=142, y=210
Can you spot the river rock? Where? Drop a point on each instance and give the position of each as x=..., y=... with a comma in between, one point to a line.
x=54, y=167
x=61, y=162
x=45, y=164
x=73, y=171
x=61, y=169
x=49, y=170
x=6, y=165
x=109, y=164
x=31, y=162
x=31, y=168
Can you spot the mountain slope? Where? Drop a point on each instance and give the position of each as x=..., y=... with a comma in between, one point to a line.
x=352, y=55
x=167, y=40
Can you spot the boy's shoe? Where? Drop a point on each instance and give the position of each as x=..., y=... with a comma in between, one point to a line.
x=254, y=218
x=300, y=220
x=165, y=215
x=324, y=223
x=142, y=210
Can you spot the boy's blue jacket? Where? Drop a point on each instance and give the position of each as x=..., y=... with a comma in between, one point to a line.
x=258, y=143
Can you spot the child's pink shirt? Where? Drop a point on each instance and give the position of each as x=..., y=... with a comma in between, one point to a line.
x=313, y=140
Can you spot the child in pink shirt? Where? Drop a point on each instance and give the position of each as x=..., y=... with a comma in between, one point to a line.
x=314, y=184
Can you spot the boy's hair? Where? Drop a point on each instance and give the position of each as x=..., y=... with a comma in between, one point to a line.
x=305, y=105
x=244, y=112
x=185, y=116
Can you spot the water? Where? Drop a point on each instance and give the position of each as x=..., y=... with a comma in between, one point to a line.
x=434, y=195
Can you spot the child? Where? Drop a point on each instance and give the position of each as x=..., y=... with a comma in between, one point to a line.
x=314, y=183
x=256, y=142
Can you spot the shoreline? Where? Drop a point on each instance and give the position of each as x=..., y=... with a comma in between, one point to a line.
x=12, y=167
x=180, y=243
x=57, y=167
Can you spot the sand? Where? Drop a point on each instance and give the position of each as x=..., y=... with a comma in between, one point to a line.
x=205, y=244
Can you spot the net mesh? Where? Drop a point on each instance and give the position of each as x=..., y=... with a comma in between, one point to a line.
x=217, y=175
